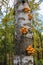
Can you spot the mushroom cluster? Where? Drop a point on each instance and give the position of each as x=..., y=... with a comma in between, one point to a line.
x=30, y=50
x=26, y=10
x=24, y=30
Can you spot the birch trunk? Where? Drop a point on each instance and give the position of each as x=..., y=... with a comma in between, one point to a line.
x=21, y=20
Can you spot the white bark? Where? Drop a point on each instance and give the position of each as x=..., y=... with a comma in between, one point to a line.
x=23, y=21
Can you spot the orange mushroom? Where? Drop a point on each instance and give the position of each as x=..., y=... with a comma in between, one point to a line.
x=33, y=50
x=30, y=16
x=26, y=10
x=23, y=30
x=29, y=49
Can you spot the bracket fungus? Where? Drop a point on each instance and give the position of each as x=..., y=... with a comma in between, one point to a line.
x=24, y=30
x=30, y=50
x=30, y=16
x=26, y=10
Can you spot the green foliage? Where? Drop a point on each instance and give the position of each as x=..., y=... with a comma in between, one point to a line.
x=7, y=30
x=33, y=5
x=40, y=62
x=8, y=17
